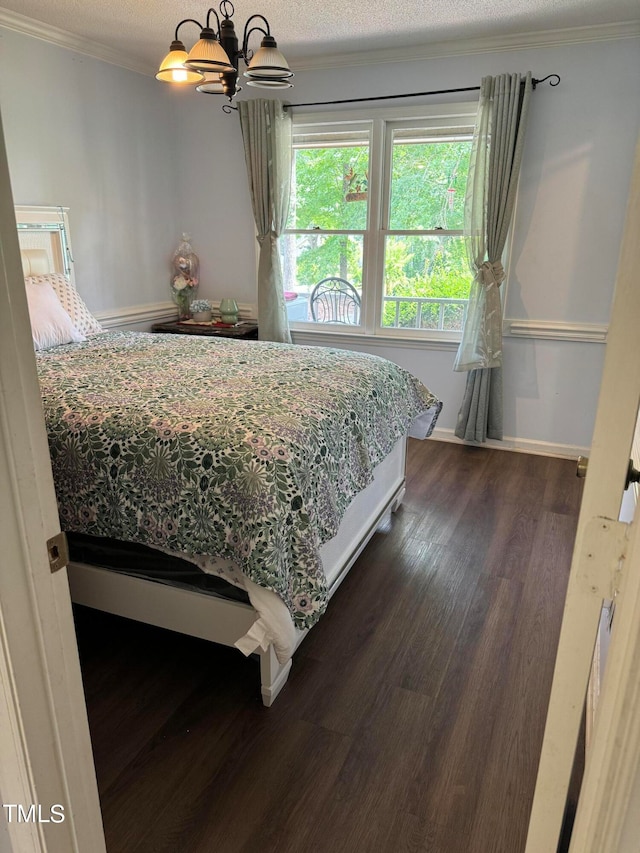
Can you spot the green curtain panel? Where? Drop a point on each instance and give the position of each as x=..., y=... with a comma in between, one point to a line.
x=490, y=197
x=266, y=132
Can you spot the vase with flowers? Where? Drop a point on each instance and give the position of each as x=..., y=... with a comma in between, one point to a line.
x=185, y=277
x=201, y=311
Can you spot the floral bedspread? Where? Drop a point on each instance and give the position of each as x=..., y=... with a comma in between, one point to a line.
x=240, y=449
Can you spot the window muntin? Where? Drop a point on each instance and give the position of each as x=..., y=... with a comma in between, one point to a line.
x=402, y=245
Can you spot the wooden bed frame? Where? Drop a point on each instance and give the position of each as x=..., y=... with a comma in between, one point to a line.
x=223, y=621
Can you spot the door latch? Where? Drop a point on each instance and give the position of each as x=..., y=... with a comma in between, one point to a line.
x=633, y=475
x=58, y=551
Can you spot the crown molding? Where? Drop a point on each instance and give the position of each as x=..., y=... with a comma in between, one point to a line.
x=481, y=44
x=54, y=35
x=460, y=47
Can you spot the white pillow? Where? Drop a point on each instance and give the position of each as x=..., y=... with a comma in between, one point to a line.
x=71, y=301
x=50, y=323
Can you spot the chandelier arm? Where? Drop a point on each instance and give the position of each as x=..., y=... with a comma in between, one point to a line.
x=186, y=21
x=247, y=31
x=245, y=44
x=217, y=19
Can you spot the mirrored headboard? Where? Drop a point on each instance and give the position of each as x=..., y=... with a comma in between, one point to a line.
x=45, y=243
x=36, y=262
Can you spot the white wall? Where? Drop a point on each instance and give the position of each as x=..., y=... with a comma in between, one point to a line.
x=101, y=140
x=138, y=163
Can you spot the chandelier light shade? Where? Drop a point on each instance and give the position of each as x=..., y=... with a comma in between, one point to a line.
x=213, y=61
x=268, y=66
x=207, y=54
x=210, y=85
x=172, y=68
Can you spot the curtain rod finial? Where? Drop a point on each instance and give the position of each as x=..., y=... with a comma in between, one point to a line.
x=554, y=80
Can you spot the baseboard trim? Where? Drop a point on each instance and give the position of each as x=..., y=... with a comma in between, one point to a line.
x=519, y=445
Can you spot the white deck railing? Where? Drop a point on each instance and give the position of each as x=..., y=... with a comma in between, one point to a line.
x=439, y=319
x=432, y=322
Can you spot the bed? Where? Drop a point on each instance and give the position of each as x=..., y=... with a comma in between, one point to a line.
x=266, y=465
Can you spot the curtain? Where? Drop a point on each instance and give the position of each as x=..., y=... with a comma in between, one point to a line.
x=490, y=197
x=266, y=132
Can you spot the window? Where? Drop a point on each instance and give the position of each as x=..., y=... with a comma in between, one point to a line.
x=377, y=206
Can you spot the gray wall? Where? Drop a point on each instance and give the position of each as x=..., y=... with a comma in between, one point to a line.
x=138, y=163
x=572, y=198
x=101, y=140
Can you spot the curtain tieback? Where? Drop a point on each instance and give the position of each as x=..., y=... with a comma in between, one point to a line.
x=269, y=235
x=491, y=272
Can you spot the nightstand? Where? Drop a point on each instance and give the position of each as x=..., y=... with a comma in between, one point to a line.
x=245, y=331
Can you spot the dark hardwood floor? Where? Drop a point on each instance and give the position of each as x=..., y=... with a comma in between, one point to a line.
x=414, y=714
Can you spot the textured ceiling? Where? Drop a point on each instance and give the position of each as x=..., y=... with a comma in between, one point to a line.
x=144, y=28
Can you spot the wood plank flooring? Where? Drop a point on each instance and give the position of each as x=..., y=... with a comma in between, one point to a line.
x=414, y=714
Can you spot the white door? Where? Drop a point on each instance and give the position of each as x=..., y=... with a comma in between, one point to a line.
x=606, y=563
x=48, y=792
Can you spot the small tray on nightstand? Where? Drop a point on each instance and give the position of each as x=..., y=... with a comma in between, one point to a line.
x=247, y=330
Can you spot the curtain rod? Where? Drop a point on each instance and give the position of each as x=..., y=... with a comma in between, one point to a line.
x=554, y=80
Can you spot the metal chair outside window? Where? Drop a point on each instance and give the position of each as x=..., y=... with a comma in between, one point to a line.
x=335, y=300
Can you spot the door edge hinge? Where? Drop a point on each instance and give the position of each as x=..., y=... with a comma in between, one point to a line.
x=604, y=549
x=58, y=552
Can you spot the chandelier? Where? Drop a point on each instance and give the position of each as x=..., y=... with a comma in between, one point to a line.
x=212, y=63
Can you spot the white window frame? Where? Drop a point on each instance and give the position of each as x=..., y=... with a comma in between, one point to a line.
x=440, y=118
